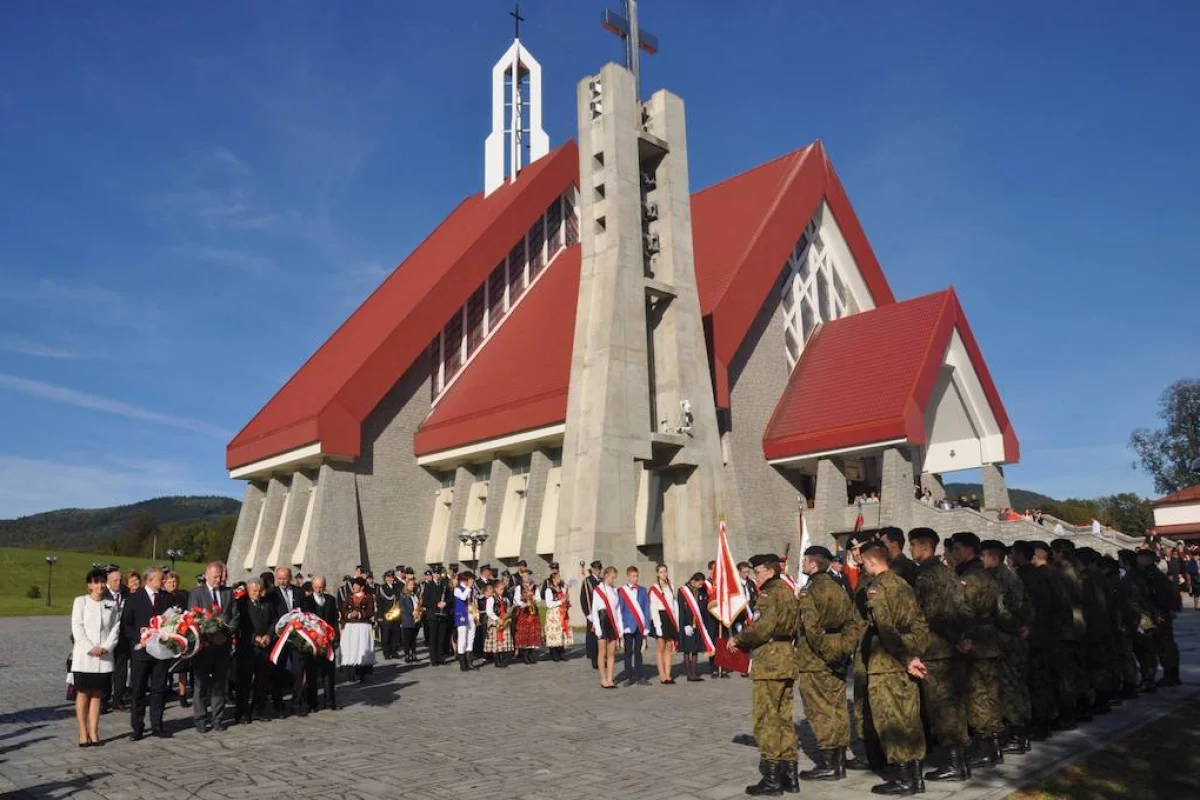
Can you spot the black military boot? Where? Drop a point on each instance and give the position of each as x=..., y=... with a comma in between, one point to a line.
x=1017, y=743
x=904, y=781
x=826, y=767
x=771, y=784
x=955, y=769
x=985, y=752
x=788, y=777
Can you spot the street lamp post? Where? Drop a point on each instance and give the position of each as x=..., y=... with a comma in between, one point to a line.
x=50, y=562
x=174, y=554
x=474, y=540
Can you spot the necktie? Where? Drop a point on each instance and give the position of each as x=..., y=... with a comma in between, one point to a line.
x=154, y=600
x=216, y=595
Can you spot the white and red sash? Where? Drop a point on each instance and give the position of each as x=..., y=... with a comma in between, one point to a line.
x=790, y=581
x=631, y=599
x=612, y=618
x=666, y=604
x=697, y=620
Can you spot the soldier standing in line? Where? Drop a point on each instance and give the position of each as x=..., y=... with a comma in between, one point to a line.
x=1124, y=665
x=940, y=596
x=773, y=672
x=895, y=639
x=1099, y=641
x=864, y=727
x=902, y=565
x=828, y=634
x=1140, y=620
x=1068, y=661
x=1043, y=638
x=1164, y=596
x=1013, y=634
x=980, y=644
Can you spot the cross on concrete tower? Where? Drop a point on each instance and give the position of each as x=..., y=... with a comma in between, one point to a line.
x=517, y=20
x=636, y=38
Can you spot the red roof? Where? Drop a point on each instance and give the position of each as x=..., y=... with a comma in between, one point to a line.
x=745, y=227
x=518, y=381
x=867, y=378
x=327, y=400
x=1189, y=529
x=1191, y=494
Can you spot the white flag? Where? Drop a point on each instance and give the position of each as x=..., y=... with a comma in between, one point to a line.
x=805, y=543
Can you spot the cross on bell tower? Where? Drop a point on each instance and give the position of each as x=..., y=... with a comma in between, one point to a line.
x=636, y=38
x=516, y=89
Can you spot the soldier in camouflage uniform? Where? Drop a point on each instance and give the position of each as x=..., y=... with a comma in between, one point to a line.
x=1070, y=666
x=864, y=728
x=1164, y=598
x=981, y=645
x=1043, y=638
x=1124, y=664
x=828, y=634
x=902, y=565
x=1012, y=631
x=940, y=596
x=773, y=672
x=1139, y=616
x=1099, y=640
x=895, y=639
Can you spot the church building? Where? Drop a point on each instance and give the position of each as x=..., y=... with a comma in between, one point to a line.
x=591, y=359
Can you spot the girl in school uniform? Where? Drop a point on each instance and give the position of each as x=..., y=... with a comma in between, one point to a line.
x=607, y=624
x=664, y=617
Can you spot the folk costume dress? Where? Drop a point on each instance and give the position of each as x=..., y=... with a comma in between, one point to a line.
x=499, y=639
x=529, y=621
x=357, y=644
x=558, y=624
x=464, y=618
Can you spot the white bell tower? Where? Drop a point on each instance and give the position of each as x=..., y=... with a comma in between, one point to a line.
x=516, y=115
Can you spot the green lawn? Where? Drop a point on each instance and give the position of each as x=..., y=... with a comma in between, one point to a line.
x=21, y=569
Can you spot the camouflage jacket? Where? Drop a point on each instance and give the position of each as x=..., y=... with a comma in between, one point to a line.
x=1138, y=610
x=1074, y=586
x=986, y=615
x=772, y=636
x=896, y=629
x=1064, y=618
x=940, y=596
x=828, y=627
x=905, y=567
x=1095, y=607
x=1043, y=632
x=1016, y=609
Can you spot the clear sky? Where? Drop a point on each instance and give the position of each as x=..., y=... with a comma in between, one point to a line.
x=194, y=195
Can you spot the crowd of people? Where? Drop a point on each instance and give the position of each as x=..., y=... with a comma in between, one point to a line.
x=981, y=650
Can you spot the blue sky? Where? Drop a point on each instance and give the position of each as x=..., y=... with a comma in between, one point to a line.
x=193, y=196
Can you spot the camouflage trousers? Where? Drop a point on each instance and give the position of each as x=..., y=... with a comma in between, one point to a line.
x=824, y=698
x=942, y=694
x=1098, y=657
x=1070, y=679
x=1014, y=688
x=1041, y=686
x=864, y=723
x=1125, y=664
x=984, y=678
x=774, y=719
x=895, y=702
x=1168, y=650
x=1147, y=655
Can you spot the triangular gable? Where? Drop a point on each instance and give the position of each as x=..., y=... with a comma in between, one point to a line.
x=868, y=379
x=745, y=227
x=328, y=398
x=518, y=381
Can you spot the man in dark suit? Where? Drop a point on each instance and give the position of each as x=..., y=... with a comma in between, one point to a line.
x=116, y=593
x=587, y=589
x=289, y=670
x=210, y=666
x=322, y=670
x=256, y=635
x=433, y=596
x=147, y=675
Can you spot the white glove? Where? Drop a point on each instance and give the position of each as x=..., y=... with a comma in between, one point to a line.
x=689, y=630
x=629, y=631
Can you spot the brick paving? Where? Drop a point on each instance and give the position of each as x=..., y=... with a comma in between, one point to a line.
x=541, y=731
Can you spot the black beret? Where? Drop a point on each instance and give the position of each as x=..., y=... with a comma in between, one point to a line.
x=1040, y=545
x=993, y=544
x=924, y=535
x=764, y=560
x=597, y=564
x=554, y=565
x=967, y=538
x=428, y=571
x=821, y=552
x=389, y=574
x=454, y=567
x=1062, y=545
x=522, y=563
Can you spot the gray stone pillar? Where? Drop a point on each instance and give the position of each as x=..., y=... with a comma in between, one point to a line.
x=334, y=546
x=995, y=488
x=256, y=495
x=830, y=499
x=896, y=493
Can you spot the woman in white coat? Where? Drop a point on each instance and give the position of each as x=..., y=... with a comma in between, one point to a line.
x=95, y=627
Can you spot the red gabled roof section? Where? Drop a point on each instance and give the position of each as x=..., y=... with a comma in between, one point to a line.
x=1190, y=494
x=327, y=400
x=518, y=381
x=1186, y=529
x=867, y=378
x=743, y=230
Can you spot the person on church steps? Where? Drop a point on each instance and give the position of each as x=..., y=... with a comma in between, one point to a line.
x=322, y=672
x=557, y=601
x=895, y=639
x=635, y=615
x=358, y=645
x=528, y=638
x=606, y=623
x=664, y=620
x=587, y=591
x=693, y=635
x=387, y=606
x=773, y=673
x=464, y=618
x=497, y=610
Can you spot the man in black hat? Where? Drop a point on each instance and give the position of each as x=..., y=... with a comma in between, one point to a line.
x=388, y=598
x=588, y=582
x=829, y=633
x=433, y=600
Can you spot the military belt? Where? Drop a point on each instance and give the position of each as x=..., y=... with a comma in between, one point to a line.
x=838, y=629
x=782, y=638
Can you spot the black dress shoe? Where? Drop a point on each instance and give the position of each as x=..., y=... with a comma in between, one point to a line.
x=136, y=736
x=184, y=702
x=162, y=733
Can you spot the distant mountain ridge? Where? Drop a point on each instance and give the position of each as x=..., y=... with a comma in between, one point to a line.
x=87, y=529
x=1021, y=499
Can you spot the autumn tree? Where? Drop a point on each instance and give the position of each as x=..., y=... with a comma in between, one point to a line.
x=1171, y=454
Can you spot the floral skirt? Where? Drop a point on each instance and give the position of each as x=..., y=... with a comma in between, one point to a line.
x=529, y=630
x=498, y=640
x=556, y=636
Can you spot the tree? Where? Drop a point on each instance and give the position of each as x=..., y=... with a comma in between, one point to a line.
x=1171, y=454
x=1127, y=512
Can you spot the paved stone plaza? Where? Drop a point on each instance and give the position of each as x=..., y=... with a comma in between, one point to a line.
x=546, y=731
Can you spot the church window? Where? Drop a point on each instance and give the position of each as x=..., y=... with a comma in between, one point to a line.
x=497, y=296
x=516, y=272
x=435, y=364
x=572, y=224
x=554, y=224
x=475, y=332
x=813, y=291
x=452, y=342
x=537, y=243
x=482, y=472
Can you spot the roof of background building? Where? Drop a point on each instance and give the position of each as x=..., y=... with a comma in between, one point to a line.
x=331, y=395
x=867, y=378
x=1190, y=494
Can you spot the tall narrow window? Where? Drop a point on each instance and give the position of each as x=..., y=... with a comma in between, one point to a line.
x=516, y=272
x=537, y=241
x=572, y=222
x=475, y=321
x=554, y=225
x=435, y=364
x=453, y=343
x=497, y=307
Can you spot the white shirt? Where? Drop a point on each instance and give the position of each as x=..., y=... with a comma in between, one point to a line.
x=548, y=598
x=489, y=608
x=598, y=605
x=657, y=608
